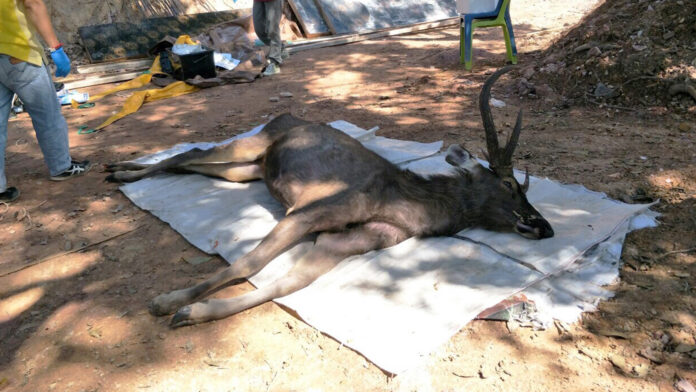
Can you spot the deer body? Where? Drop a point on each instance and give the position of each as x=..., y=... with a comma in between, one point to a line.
x=352, y=199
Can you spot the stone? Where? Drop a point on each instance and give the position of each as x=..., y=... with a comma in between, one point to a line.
x=286, y=94
x=604, y=91
x=684, y=127
x=524, y=87
x=545, y=91
x=274, y=99
x=528, y=72
x=594, y=52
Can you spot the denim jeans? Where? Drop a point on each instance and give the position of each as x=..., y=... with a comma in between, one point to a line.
x=266, y=16
x=34, y=87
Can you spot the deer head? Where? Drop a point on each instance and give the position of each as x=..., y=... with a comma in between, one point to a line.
x=504, y=205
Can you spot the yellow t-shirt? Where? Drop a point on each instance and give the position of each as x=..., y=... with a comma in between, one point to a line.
x=18, y=38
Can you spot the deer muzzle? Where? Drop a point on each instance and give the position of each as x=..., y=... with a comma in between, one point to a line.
x=535, y=228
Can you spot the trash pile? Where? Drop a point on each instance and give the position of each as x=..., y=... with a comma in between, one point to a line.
x=626, y=53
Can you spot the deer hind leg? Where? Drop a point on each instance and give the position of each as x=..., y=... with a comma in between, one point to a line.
x=329, y=250
x=235, y=172
x=289, y=231
x=246, y=150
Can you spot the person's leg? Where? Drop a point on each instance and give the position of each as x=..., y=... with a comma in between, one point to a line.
x=35, y=88
x=5, y=107
x=259, y=17
x=51, y=129
x=274, y=10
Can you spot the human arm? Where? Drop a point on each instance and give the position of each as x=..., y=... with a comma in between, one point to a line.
x=37, y=13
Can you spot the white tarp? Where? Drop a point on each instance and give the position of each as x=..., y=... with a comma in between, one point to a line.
x=397, y=305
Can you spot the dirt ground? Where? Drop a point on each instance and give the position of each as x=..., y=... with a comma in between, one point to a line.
x=79, y=262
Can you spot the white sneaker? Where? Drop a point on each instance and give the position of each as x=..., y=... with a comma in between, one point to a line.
x=76, y=169
x=271, y=69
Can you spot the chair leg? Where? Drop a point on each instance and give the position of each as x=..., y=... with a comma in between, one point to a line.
x=468, y=48
x=461, y=44
x=510, y=46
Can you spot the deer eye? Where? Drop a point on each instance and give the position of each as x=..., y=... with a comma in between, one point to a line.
x=508, y=184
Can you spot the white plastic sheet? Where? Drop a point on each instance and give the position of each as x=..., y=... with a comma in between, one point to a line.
x=396, y=305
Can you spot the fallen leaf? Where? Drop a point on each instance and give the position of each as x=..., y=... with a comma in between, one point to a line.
x=612, y=333
x=95, y=333
x=635, y=371
x=197, y=260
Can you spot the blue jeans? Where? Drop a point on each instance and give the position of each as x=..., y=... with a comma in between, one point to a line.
x=33, y=85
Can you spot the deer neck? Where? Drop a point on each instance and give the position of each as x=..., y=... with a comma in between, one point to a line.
x=440, y=204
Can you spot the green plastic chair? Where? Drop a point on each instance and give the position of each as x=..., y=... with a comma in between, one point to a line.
x=499, y=17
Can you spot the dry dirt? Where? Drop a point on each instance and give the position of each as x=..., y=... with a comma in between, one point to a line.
x=79, y=261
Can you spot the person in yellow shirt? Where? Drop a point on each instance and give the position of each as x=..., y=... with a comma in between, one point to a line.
x=23, y=72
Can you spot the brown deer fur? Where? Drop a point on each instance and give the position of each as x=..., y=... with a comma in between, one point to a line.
x=354, y=201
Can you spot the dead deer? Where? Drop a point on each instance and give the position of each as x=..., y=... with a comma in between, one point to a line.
x=352, y=199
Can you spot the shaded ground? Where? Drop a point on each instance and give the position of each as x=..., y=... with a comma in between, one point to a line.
x=628, y=53
x=77, y=320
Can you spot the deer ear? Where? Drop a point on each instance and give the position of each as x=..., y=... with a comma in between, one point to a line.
x=459, y=157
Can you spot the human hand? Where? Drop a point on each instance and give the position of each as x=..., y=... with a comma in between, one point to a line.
x=62, y=62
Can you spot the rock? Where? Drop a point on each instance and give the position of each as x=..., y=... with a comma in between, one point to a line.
x=286, y=94
x=550, y=68
x=604, y=91
x=684, y=386
x=684, y=348
x=594, y=52
x=274, y=99
x=524, y=87
x=654, y=356
x=668, y=35
x=639, y=47
x=684, y=127
x=496, y=103
x=545, y=91
x=528, y=72
x=68, y=245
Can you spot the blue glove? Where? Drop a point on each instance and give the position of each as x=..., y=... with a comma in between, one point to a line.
x=62, y=62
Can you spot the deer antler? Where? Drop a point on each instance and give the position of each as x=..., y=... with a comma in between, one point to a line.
x=500, y=160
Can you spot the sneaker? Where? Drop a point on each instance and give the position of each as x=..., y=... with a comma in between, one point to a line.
x=76, y=169
x=284, y=54
x=10, y=194
x=271, y=69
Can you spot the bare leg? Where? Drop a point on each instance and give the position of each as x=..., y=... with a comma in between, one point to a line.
x=329, y=250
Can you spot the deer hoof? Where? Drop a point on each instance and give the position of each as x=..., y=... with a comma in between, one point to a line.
x=111, y=178
x=163, y=305
x=182, y=318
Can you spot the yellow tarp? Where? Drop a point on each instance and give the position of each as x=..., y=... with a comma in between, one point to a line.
x=138, y=98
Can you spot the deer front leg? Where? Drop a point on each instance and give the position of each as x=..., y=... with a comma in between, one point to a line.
x=246, y=150
x=329, y=250
x=285, y=234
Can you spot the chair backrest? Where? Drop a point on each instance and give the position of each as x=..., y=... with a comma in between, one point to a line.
x=482, y=8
